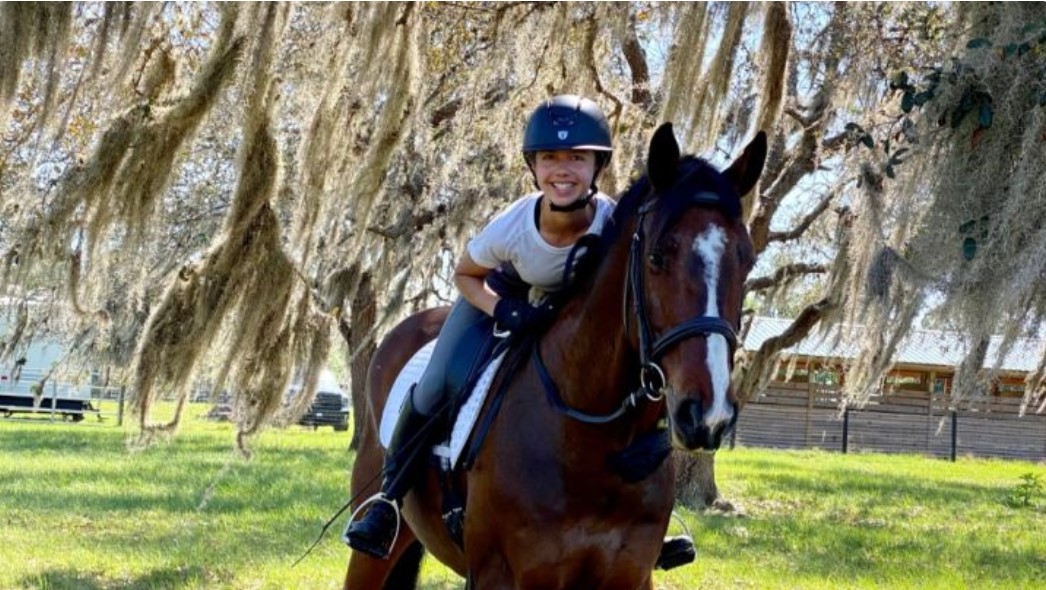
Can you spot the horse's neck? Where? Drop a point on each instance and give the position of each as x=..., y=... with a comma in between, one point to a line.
x=587, y=352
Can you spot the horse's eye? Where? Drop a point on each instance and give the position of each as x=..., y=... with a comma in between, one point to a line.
x=657, y=260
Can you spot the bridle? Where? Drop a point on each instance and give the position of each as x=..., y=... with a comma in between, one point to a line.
x=651, y=376
x=651, y=353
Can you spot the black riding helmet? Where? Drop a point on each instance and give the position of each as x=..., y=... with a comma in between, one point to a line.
x=568, y=122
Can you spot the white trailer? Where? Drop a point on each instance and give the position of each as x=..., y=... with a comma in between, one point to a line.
x=30, y=383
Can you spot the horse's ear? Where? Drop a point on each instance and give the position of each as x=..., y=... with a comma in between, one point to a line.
x=745, y=170
x=662, y=163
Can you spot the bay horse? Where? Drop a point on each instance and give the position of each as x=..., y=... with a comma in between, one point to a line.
x=543, y=509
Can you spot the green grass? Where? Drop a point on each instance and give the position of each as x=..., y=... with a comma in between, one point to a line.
x=78, y=510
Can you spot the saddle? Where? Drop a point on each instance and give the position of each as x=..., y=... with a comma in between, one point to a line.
x=468, y=379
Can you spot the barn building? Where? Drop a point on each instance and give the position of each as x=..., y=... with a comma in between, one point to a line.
x=803, y=406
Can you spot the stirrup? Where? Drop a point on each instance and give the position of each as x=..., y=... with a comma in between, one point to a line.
x=376, y=498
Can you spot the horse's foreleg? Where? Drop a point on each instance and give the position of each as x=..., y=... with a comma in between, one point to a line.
x=494, y=575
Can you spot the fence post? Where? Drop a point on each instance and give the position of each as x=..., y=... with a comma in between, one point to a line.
x=955, y=433
x=54, y=398
x=119, y=411
x=846, y=430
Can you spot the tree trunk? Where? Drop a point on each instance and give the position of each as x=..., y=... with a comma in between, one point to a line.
x=695, y=480
x=361, y=346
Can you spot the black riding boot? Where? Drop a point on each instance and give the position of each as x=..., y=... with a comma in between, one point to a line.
x=675, y=552
x=375, y=531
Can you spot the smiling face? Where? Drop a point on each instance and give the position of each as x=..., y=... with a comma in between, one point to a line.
x=565, y=175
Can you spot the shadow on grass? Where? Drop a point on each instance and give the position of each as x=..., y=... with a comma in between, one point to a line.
x=172, y=578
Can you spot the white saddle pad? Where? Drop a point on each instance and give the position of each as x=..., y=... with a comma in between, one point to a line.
x=466, y=419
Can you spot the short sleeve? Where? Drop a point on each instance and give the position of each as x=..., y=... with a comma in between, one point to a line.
x=484, y=248
x=493, y=244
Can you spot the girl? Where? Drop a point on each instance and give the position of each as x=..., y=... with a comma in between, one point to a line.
x=566, y=145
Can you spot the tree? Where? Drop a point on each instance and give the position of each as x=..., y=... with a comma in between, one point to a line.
x=208, y=191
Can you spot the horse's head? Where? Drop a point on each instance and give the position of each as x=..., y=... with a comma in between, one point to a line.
x=690, y=255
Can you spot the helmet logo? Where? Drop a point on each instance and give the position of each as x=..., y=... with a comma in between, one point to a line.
x=562, y=134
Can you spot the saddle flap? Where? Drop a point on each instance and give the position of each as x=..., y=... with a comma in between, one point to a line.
x=467, y=415
x=408, y=375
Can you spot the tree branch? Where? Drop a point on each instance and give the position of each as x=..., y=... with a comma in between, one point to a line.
x=636, y=59
x=590, y=64
x=800, y=328
x=804, y=158
x=783, y=273
x=805, y=223
x=757, y=372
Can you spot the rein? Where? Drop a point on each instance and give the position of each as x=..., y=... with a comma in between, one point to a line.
x=651, y=376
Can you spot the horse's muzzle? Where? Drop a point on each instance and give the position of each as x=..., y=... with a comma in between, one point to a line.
x=693, y=432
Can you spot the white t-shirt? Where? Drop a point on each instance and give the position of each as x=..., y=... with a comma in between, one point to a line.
x=513, y=237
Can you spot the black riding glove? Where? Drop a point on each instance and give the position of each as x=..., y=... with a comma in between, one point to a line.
x=515, y=315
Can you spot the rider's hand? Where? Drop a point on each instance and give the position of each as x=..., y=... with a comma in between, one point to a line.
x=515, y=315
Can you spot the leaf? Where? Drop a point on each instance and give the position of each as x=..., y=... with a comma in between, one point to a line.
x=868, y=141
x=986, y=115
x=853, y=128
x=897, y=155
x=889, y=171
x=1023, y=48
x=978, y=43
x=1030, y=28
x=969, y=248
x=922, y=98
x=899, y=81
x=966, y=226
x=1009, y=50
x=907, y=101
x=967, y=101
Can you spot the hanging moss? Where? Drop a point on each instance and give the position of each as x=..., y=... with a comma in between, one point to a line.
x=680, y=74
x=706, y=106
x=775, y=49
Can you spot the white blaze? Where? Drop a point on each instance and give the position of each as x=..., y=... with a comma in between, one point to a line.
x=710, y=246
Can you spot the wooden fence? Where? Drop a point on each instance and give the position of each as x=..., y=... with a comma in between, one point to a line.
x=802, y=416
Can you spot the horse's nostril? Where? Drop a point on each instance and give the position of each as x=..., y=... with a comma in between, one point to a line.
x=692, y=430
x=690, y=414
x=717, y=433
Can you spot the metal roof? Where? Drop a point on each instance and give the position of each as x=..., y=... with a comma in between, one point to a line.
x=920, y=347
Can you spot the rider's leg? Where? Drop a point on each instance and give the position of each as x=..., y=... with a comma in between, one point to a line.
x=375, y=532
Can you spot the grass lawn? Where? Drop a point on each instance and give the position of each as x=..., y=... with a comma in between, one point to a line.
x=78, y=510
